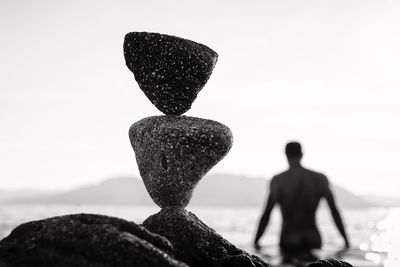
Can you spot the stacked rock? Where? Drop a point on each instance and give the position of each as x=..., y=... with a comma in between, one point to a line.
x=173, y=151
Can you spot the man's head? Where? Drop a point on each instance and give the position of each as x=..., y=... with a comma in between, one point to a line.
x=293, y=152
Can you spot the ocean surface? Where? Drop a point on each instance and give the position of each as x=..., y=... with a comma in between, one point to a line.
x=374, y=233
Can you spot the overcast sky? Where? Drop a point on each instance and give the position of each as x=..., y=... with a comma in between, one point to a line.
x=325, y=73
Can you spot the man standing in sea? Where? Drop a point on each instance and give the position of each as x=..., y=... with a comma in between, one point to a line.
x=298, y=192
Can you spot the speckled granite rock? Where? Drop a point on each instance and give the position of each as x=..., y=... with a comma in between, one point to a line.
x=330, y=263
x=170, y=70
x=197, y=244
x=85, y=240
x=175, y=152
x=3, y=264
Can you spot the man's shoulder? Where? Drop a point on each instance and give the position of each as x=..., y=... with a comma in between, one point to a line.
x=315, y=173
x=318, y=178
x=306, y=171
x=280, y=176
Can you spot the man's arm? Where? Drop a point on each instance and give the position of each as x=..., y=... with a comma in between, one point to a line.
x=265, y=217
x=335, y=212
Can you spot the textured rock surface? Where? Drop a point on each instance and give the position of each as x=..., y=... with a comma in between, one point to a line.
x=3, y=264
x=175, y=152
x=195, y=243
x=84, y=240
x=329, y=263
x=170, y=70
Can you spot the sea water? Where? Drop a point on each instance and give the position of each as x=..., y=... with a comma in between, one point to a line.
x=374, y=233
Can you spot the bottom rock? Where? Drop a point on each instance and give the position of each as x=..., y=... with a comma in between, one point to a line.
x=197, y=244
x=2, y=264
x=330, y=263
x=85, y=240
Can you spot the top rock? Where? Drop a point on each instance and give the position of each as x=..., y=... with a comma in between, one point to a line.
x=169, y=70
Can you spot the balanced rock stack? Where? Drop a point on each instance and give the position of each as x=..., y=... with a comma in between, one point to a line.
x=174, y=152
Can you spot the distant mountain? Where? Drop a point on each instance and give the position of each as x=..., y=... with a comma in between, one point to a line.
x=230, y=190
x=235, y=190
x=122, y=190
x=383, y=201
x=213, y=190
x=346, y=199
x=13, y=194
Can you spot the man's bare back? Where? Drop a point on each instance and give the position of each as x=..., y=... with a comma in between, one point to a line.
x=298, y=192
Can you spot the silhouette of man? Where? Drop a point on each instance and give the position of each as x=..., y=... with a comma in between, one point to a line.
x=298, y=192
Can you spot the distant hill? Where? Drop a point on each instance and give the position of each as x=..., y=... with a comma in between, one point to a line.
x=12, y=194
x=122, y=190
x=383, y=201
x=235, y=190
x=230, y=190
x=213, y=190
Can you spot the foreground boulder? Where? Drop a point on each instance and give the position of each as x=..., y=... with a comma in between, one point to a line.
x=85, y=240
x=197, y=244
x=3, y=264
x=330, y=263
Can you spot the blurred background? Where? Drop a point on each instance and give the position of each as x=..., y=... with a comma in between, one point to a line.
x=321, y=72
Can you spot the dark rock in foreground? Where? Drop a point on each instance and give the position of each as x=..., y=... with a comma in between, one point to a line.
x=330, y=263
x=2, y=264
x=195, y=243
x=174, y=152
x=84, y=240
x=169, y=70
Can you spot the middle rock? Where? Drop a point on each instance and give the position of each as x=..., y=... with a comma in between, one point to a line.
x=174, y=152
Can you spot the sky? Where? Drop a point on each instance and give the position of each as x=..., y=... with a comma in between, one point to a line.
x=322, y=72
